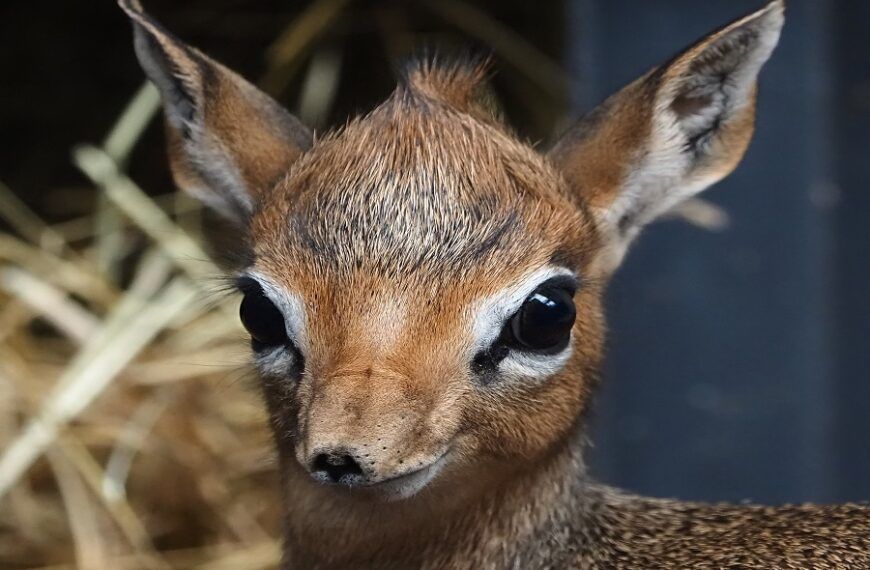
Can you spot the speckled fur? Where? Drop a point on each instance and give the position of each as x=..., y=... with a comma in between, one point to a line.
x=390, y=231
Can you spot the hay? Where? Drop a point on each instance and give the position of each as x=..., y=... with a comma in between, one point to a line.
x=128, y=436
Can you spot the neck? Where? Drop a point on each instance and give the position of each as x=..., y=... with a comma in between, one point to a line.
x=482, y=516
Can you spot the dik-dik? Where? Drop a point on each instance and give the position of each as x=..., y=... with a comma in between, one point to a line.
x=423, y=292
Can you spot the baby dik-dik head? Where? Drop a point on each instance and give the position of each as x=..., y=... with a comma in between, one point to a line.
x=423, y=290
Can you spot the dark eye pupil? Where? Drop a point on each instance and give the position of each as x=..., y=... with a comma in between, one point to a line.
x=544, y=321
x=262, y=319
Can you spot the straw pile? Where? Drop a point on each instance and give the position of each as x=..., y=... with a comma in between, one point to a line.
x=131, y=435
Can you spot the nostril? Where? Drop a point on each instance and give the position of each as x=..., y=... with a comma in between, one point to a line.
x=336, y=467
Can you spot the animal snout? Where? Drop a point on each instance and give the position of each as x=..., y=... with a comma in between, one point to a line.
x=337, y=466
x=363, y=430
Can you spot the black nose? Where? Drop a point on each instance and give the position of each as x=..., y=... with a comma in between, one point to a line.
x=336, y=467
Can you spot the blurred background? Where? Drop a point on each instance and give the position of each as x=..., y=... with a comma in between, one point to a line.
x=130, y=432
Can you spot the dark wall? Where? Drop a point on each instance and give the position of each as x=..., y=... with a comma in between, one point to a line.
x=851, y=111
x=737, y=359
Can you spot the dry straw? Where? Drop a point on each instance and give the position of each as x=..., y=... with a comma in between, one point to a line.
x=126, y=438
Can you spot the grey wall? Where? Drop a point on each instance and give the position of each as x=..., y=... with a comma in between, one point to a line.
x=737, y=359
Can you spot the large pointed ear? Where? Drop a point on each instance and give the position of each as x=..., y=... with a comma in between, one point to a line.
x=228, y=141
x=670, y=134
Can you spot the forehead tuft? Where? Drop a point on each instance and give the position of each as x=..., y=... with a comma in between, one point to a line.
x=422, y=184
x=461, y=84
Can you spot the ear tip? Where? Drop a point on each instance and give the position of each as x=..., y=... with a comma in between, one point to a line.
x=133, y=8
x=774, y=12
x=769, y=21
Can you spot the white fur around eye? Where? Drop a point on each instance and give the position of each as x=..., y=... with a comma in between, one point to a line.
x=278, y=360
x=520, y=365
x=490, y=315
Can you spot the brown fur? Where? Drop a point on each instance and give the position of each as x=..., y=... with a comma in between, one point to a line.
x=392, y=231
x=596, y=154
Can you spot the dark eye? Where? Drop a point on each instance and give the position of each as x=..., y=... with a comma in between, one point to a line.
x=261, y=317
x=543, y=323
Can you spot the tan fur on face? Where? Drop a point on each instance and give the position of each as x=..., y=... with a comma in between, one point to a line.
x=414, y=213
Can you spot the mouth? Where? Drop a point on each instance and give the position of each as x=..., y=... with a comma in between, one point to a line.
x=405, y=485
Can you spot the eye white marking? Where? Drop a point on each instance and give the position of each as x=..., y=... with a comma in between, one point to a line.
x=517, y=365
x=278, y=360
x=491, y=314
